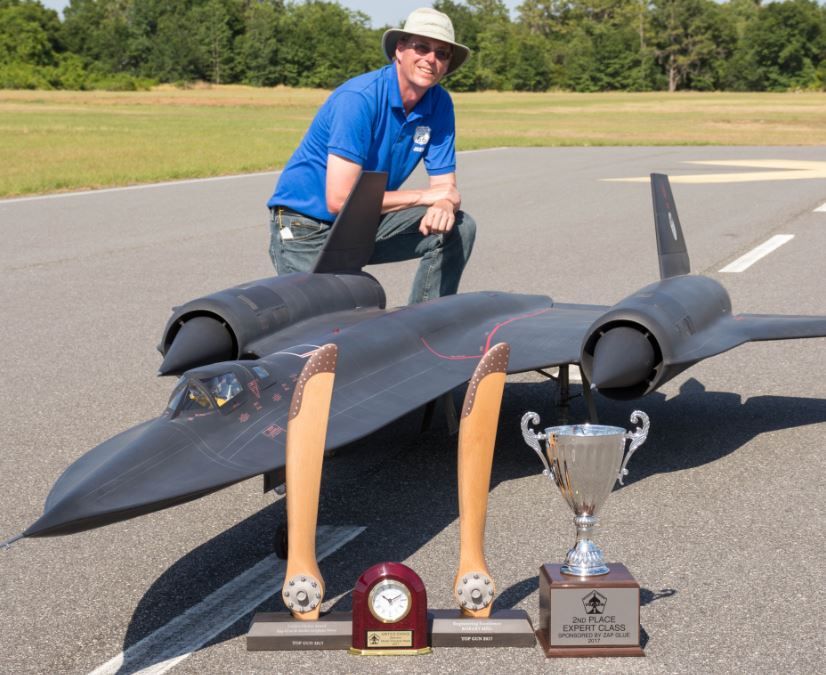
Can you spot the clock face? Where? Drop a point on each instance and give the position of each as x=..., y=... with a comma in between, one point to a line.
x=389, y=601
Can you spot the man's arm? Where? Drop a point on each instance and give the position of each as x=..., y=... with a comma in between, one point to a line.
x=441, y=215
x=442, y=193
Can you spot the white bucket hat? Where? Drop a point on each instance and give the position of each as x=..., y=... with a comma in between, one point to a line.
x=429, y=23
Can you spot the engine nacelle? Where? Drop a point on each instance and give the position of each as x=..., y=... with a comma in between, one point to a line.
x=629, y=351
x=221, y=326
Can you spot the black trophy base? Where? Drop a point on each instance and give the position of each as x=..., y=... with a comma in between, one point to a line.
x=279, y=631
x=504, y=628
x=589, y=616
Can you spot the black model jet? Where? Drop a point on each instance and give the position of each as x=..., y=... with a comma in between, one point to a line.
x=240, y=350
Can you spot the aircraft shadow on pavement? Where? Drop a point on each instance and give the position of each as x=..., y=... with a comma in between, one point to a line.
x=695, y=427
x=401, y=484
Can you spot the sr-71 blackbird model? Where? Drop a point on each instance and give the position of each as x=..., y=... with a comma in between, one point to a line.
x=240, y=350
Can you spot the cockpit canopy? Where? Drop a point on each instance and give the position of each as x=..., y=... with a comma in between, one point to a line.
x=201, y=395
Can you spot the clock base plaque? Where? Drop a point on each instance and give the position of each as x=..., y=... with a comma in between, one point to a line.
x=278, y=631
x=390, y=651
x=503, y=628
x=589, y=616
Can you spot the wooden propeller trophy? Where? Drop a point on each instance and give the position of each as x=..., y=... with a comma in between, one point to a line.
x=306, y=432
x=474, y=625
x=473, y=587
x=303, y=589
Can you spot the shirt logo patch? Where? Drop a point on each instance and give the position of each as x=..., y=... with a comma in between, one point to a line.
x=422, y=136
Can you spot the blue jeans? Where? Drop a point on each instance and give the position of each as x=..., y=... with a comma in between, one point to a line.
x=443, y=256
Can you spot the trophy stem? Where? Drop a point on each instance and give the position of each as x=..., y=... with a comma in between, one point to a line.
x=585, y=558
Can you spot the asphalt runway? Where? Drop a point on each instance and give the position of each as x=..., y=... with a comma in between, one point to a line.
x=721, y=520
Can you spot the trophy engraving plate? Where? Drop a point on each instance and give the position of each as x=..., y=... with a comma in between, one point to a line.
x=390, y=638
x=596, y=616
x=277, y=631
x=503, y=628
x=589, y=616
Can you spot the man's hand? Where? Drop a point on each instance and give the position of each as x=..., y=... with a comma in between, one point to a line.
x=439, y=218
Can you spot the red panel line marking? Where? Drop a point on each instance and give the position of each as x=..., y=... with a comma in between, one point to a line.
x=490, y=337
x=516, y=318
x=445, y=356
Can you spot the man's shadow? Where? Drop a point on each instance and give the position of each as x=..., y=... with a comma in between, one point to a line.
x=400, y=483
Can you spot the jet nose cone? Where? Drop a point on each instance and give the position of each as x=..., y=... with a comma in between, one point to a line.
x=200, y=341
x=113, y=480
x=623, y=357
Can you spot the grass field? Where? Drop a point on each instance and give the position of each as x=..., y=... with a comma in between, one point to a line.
x=57, y=140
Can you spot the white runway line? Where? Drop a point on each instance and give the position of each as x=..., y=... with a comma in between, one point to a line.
x=746, y=261
x=143, y=186
x=821, y=209
x=470, y=152
x=162, y=650
x=190, y=181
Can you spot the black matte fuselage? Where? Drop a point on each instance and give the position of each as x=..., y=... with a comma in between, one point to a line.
x=390, y=362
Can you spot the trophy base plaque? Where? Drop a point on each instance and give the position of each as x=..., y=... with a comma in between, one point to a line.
x=505, y=628
x=279, y=631
x=589, y=616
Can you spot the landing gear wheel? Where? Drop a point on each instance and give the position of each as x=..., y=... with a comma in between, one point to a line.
x=279, y=542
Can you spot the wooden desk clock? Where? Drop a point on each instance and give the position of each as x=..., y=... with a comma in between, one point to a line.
x=389, y=612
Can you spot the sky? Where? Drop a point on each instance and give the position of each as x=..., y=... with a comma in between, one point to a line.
x=382, y=12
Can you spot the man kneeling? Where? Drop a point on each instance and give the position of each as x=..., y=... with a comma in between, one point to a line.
x=385, y=120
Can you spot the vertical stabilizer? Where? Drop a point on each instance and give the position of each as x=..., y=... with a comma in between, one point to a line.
x=353, y=236
x=670, y=241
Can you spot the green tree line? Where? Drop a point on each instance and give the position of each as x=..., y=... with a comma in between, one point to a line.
x=575, y=45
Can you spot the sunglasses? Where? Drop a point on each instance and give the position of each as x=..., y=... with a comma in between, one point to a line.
x=423, y=49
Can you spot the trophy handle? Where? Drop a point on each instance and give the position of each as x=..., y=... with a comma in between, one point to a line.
x=532, y=439
x=637, y=438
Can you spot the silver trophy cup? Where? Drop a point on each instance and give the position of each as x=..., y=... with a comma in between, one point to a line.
x=585, y=460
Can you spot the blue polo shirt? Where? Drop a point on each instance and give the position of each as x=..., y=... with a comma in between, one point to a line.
x=364, y=121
